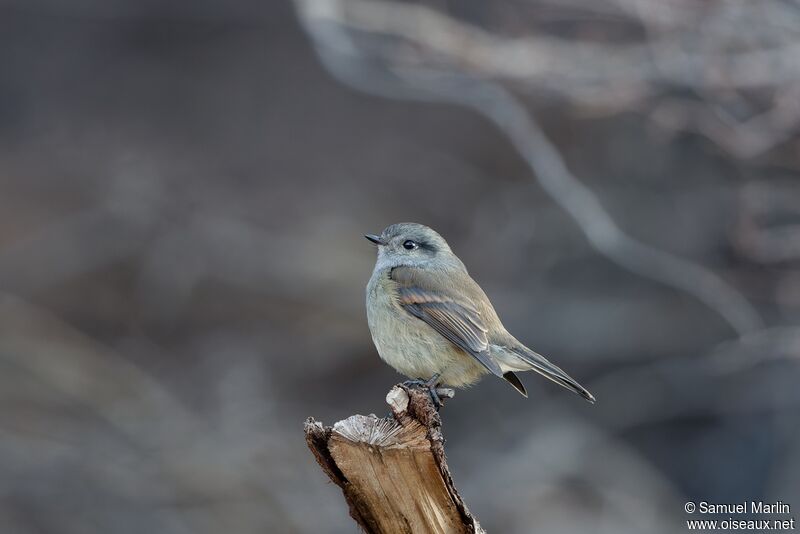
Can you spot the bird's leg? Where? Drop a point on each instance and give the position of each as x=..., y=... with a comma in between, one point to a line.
x=432, y=385
x=433, y=381
x=415, y=383
x=442, y=392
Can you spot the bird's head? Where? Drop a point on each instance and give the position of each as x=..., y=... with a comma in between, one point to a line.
x=414, y=245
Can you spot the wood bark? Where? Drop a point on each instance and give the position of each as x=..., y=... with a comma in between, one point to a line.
x=393, y=471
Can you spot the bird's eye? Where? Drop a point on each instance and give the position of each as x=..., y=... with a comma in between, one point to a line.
x=410, y=245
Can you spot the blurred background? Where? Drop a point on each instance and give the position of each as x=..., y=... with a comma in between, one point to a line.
x=183, y=193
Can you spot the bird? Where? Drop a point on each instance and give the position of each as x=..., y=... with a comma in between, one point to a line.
x=433, y=323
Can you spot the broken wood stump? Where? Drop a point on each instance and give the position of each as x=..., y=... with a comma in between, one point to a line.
x=393, y=471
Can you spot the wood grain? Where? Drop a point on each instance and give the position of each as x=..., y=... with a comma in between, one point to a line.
x=393, y=471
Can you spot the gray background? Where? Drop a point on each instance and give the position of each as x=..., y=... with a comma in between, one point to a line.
x=183, y=191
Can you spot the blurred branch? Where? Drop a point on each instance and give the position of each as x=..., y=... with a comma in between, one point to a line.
x=703, y=50
x=768, y=230
x=434, y=60
x=690, y=387
x=743, y=138
x=574, y=63
x=393, y=471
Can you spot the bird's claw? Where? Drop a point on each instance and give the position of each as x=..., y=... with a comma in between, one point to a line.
x=436, y=393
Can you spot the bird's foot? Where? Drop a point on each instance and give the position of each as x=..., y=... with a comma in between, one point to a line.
x=436, y=393
x=416, y=383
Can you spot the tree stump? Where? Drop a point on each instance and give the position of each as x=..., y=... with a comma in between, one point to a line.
x=393, y=471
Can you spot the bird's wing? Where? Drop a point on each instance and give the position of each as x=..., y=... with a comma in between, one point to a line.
x=455, y=318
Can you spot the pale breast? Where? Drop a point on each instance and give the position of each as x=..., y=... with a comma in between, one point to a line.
x=408, y=344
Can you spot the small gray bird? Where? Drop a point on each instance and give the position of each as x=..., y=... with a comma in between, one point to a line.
x=433, y=323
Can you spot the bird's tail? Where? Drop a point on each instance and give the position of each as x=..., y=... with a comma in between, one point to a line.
x=533, y=361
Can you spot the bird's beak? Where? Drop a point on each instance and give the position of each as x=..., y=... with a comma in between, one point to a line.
x=375, y=239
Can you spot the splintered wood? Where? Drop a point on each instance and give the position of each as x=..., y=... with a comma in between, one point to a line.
x=393, y=470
